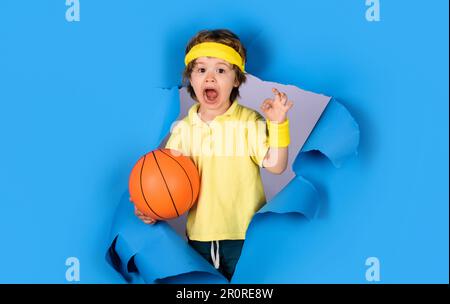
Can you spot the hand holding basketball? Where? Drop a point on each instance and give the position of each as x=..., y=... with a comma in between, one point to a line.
x=143, y=217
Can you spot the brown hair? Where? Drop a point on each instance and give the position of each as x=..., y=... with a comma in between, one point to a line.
x=220, y=36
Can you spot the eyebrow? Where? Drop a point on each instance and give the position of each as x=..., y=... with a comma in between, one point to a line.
x=222, y=63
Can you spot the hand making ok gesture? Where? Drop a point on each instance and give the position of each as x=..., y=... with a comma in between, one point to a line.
x=276, y=109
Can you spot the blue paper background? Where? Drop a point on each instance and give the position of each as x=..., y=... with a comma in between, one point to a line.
x=79, y=103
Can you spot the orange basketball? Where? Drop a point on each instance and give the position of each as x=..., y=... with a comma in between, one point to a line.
x=164, y=184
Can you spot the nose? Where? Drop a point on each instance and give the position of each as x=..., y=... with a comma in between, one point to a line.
x=210, y=77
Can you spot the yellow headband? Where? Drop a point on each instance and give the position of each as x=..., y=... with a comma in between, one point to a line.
x=214, y=49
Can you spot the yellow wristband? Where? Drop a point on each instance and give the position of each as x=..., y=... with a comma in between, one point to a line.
x=278, y=134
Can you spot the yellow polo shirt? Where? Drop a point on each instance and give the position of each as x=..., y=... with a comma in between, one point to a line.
x=228, y=152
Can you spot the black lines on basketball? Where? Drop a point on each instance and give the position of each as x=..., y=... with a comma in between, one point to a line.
x=142, y=189
x=167, y=187
x=187, y=175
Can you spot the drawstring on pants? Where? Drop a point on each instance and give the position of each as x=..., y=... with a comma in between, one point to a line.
x=215, y=257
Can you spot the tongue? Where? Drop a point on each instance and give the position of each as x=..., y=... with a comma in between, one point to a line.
x=211, y=94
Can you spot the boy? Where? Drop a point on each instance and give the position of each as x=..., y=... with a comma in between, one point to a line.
x=231, y=190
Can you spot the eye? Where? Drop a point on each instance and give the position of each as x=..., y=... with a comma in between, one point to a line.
x=201, y=70
x=221, y=71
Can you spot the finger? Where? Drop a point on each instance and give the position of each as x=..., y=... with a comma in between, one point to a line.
x=263, y=105
x=137, y=212
x=277, y=94
x=144, y=217
x=280, y=99
x=267, y=104
x=146, y=220
x=284, y=98
x=289, y=105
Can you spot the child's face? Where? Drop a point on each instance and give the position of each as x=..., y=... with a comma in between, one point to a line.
x=213, y=79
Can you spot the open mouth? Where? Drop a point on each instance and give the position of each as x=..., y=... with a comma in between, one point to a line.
x=211, y=95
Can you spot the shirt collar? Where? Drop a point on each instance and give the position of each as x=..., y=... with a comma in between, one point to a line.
x=195, y=119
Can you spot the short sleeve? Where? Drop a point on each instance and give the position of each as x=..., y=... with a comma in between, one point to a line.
x=178, y=139
x=257, y=138
x=173, y=143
